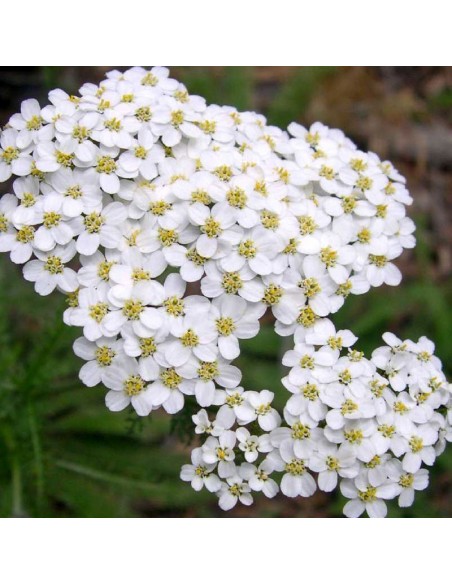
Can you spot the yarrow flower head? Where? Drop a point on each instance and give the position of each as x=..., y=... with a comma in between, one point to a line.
x=122, y=195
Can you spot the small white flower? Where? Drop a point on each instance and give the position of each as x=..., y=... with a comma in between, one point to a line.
x=56, y=228
x=127, y=387
x=200, y=474
x=90, y=313
x=296, y=480
x=332, y=462
x=49, y=271
x=258, y=407
x=30, y=124
x=408, y=482
x=216, y=236
x=99, y=355
x=101, y=228
x=221, y=450
x=259, y=479
x=79, y=190
x=235, y=489
x=13, y=160
x=134, y=305
x=171, y=387
x=366, y=497
x=234, y=319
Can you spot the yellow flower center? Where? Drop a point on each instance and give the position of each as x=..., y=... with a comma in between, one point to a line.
x=348, y=407
x=307, y=224
x=382, y=211
x=98, y=311
x=272, y=294
x=310, y=287
x=104, y=355
x=195, y=257
x=139, y=275
x=9, y=154
x=141, y=152
x=310, y=391
x=26, y=234
x=344, y=289
x=167, y=237
x=190, y=339
x=143, y=114
x=93, y=222
x=159, y=208
x=64, y=158
x=327, y=172
x=332, y=463
x=300, y=431
x=3, y=223
x=149, y=79
x=348, y=204
x=358, y=165
x=416, y=444
x=270, y=220
x=400, y=408
x=295, y=467
x=345, y=376
x=75, y=192
x=54, y=265
x=328, y=256
x=34, y=123
x=354, y=436
x=177, y=118
x=132, y=309
x=364, y=235
x=335, y=343
x=103, y=270
x=223, y=172
x=283, y=174
x=147, y=347
x=80, y=133
x=364, y=183
x=406, y=480
x=134, y=385
x=307, y=317
x=307, y=362
x=211, y=227
x=208, y=126
x=106, y=165
x=374, y=462
x=28, y=200
x=247, y=249
x=201, y=196
x=51, y=219
x=386, y=430
x=207, y=371
x=225, y=326
x=170, y=378
x=231, y=282
x=181, y=95
x=174, y=306
x=237, y=198
x=369, y=495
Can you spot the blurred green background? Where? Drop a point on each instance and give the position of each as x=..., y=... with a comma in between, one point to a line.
x=62, y=454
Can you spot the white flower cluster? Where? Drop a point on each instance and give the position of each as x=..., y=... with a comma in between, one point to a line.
x=368, y=424
x=186, y=222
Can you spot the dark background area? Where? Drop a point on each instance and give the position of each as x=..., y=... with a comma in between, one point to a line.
x=62, y=454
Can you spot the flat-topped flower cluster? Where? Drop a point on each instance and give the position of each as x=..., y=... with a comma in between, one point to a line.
x=173, y=226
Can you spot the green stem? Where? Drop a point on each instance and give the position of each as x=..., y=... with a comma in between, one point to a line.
x=17, y=509
x=37, y=451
